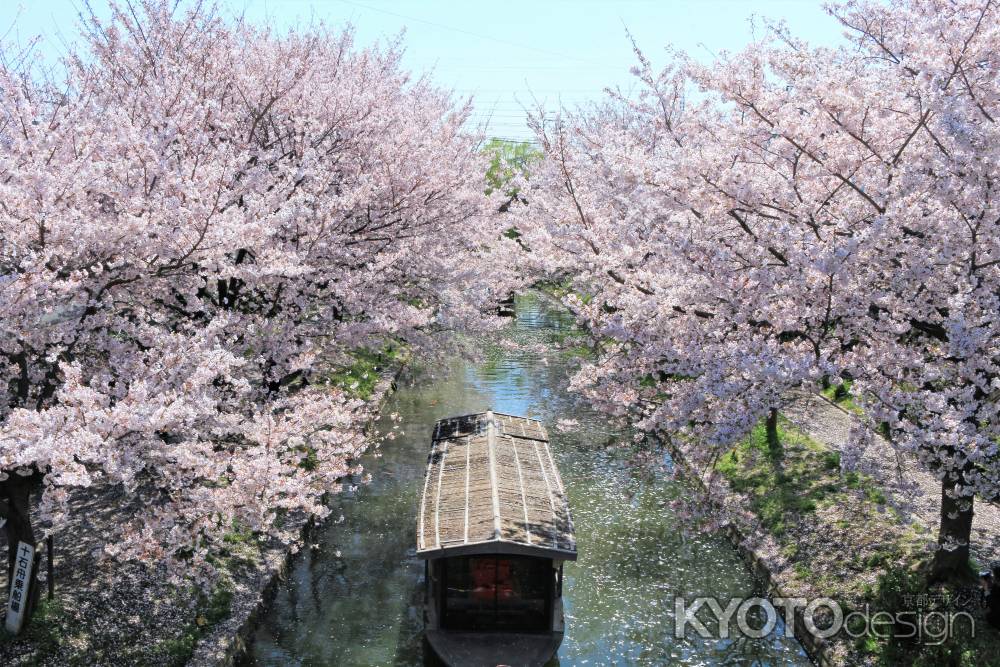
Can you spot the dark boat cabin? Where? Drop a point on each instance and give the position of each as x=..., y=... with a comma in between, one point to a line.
x=494, y=530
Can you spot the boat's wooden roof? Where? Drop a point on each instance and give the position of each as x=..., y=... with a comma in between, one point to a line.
x=493, y=487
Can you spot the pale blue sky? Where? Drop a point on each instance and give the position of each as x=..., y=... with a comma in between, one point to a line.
x=503, y=51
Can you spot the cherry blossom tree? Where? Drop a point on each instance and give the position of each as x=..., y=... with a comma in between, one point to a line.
x=197, y=219
x=648, y=210
x=816, y=212
x=931, y=346
x=889, y=147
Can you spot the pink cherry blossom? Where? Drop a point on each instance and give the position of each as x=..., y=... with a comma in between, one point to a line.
x=790, y=213
x=199, y=219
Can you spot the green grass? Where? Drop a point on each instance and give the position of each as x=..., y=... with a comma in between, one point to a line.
x=360, y=376
x=210, y=610
x=47, y=635
x=44, y=632
x=579, y=351
x=779, y=485
x=840, y=394
x=875, y=562
x=556, y=288
x=240, y=546
x=564, y=288
x=896, y=590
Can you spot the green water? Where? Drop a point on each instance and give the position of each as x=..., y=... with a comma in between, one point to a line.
x=354, y=597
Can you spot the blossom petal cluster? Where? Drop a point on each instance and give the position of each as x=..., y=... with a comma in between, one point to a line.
x=198, y=219
x=790, y=215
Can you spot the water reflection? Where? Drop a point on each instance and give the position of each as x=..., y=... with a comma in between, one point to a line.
x=355, y=596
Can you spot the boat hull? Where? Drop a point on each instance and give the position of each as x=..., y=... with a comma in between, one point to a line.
x=490, y=649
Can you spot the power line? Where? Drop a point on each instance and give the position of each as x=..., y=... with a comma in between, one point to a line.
x=474, y=34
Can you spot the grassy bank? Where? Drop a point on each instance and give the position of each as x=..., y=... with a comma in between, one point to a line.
x=839, y=539
x=360, y=373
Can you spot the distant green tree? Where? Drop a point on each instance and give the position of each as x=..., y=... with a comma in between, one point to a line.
x=508, y=160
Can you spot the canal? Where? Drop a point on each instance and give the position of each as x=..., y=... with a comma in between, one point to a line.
x=354, y=594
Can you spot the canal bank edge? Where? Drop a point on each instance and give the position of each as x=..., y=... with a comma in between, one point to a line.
x=758, y=548
x=228, y=641
x=755, y=551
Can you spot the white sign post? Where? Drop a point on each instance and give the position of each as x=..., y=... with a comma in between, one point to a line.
x=18, y=603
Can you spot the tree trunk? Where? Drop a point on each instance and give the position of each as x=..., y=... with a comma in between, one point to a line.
x=955, y=527
x=773, y=443
x=17, y=490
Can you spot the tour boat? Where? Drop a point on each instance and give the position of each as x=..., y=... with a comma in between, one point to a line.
x=494, y=531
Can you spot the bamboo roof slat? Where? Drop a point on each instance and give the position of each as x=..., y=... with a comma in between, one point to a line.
x=492, y=486
x=468, y=460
